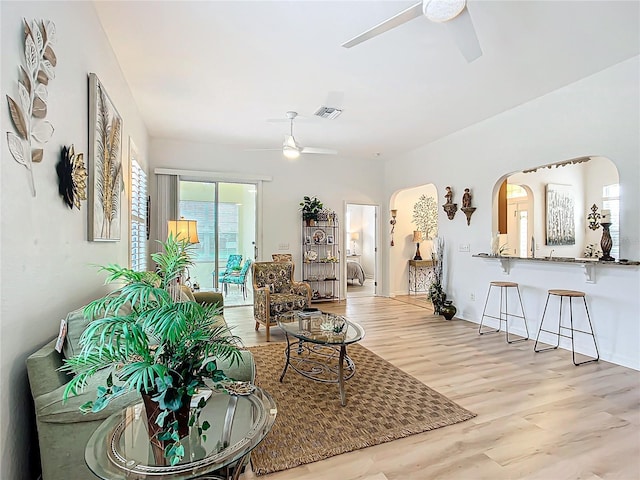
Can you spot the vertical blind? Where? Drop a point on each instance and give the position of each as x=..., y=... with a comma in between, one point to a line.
x=139, y=217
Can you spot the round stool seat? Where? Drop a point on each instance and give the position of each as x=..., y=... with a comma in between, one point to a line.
x=566, y=293
x=504, y=284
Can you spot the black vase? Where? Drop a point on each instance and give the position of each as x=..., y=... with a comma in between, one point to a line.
x=448, y=310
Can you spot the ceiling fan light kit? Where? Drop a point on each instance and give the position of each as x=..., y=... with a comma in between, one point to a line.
x=443, y=10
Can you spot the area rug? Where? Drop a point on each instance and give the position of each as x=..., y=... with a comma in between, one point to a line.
x=383, y=404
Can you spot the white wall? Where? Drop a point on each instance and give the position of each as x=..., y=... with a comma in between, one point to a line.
x=46, y=258
x=598, y=115
x=333, y=179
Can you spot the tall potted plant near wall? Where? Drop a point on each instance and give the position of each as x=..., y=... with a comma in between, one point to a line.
x=153, y=343
x=310, y=207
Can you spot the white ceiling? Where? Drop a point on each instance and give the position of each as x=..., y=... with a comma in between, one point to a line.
x=216, y=71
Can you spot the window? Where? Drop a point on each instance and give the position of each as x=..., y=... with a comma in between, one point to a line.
x=611, y=202
x=139, y=215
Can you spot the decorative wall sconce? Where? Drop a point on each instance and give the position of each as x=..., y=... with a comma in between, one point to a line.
x=466, y=205
x=593, y=218
x=417, y=238
x=394, y=214
x=449, y=207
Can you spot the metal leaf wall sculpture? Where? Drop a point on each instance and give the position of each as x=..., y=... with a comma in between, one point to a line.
x=72, y=176
x=28, y=113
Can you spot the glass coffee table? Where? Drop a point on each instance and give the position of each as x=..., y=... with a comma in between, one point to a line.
x=317, y=346
x=120, y=449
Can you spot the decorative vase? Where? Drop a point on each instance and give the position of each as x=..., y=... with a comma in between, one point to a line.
x=448, y=310
x=152, y=411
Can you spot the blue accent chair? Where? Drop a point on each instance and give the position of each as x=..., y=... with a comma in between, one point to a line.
x=234, y=260
x=238, y=279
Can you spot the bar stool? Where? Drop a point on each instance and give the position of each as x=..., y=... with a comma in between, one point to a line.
x=570, y=294
x=503, y=315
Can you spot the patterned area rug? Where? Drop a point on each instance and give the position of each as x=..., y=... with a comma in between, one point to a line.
x=383, y=404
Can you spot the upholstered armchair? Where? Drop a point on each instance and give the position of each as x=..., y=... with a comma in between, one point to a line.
x=282, y=257
x=275, y=292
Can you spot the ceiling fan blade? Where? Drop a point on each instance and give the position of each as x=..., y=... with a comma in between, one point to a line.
x=403, y=17
x=464, y=34
x=323, y=151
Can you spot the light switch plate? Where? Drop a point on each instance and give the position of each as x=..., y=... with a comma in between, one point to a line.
x=463, y=247
x=283, y=246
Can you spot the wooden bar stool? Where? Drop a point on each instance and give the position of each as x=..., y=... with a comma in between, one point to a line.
x=570, y=294
x=504, y=314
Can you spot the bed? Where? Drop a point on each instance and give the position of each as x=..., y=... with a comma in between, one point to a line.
x=355, y=271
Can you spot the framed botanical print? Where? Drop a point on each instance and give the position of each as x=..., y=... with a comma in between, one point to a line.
x=560, y=221
x=105, y=164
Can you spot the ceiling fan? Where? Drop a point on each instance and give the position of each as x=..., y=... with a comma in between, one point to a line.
x=453, y=13
x=292, y=149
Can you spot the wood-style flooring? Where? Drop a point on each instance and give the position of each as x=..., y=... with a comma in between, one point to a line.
x=539, y=416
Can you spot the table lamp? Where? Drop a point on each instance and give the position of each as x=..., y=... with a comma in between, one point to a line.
x=354, y=236
x=417, y=238
x=184, y=230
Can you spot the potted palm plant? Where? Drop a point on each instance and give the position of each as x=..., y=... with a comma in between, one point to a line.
x=310, y=207
x=155, y=344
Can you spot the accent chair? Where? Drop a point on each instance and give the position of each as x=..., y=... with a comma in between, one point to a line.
x=275, y=292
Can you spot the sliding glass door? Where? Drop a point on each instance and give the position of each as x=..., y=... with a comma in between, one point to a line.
x=226, y=216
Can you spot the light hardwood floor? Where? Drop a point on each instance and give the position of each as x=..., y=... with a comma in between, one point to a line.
x=539, y=416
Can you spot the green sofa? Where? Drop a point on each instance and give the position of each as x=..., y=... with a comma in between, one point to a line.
x=63, y=431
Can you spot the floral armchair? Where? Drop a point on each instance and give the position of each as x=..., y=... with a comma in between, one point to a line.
x=275, y=292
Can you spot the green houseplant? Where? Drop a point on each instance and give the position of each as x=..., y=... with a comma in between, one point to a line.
x=310, y=207
x=155, y=344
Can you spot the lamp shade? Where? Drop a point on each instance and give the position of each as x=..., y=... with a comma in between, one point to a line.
x=417, y=236
x=394, y=213
x=355, y=235
x=184, y=230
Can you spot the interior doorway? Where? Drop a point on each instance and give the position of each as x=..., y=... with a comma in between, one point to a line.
x=519, y=221
x=361, y=247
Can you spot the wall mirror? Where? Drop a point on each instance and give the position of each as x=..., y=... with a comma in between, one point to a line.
x=546, y=208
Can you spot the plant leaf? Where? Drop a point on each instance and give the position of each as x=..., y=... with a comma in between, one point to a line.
x=42, y=131
x=50, y=31
x=30, y=54
x=36, y=155
x=25, y=100
x=37, y=36
x=48, y=69
x=39, y=109
x=26, y=80
x=50, y=55
x=16, y=147
x=18, y=118
x=42, y=92
x=42, y=78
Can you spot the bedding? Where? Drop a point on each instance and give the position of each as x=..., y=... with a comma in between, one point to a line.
x=355, y=271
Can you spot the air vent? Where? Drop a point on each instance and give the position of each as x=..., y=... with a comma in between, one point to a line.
x=328, y=112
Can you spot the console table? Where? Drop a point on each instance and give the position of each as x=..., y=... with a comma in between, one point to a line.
x=420, y=275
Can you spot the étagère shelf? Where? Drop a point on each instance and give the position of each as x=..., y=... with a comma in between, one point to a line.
x=320, y=257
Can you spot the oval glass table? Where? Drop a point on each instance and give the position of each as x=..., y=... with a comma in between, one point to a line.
x=120, y=449
x=317, y=346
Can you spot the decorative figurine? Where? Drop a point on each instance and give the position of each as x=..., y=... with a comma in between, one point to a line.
x=466, y=198
x=449, y=207
x=448, y=196
x=466, y=205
